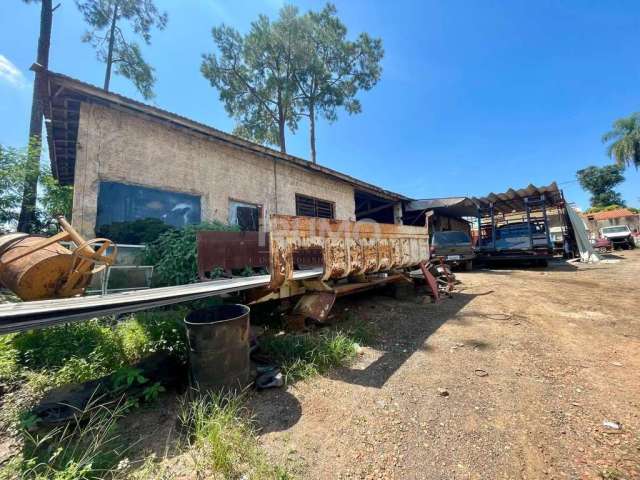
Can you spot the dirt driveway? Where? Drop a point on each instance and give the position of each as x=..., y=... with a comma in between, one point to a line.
x=511, y=378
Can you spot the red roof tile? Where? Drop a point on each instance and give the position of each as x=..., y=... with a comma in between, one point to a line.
x=620, y=212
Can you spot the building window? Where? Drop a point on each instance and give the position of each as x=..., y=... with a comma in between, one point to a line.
x=314, y=207
x=121, y=203
x=245, y=215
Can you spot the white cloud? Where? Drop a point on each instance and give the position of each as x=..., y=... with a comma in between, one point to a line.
x=11, y=74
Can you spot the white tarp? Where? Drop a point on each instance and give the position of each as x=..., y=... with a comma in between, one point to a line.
x=587, y=253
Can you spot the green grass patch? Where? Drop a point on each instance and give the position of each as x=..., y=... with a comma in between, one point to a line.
x=304, y=355
x=88, y=350
x=222, y=440
x=87, y=448
x=35, y=361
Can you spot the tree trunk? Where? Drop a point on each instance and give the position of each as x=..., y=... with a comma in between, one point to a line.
x=27, y=217
x=112, y=37
x=281, y=125
x=312, y=130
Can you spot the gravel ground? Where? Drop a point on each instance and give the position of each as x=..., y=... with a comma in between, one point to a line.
x=511, y=378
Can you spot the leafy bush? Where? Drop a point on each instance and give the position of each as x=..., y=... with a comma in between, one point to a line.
x=174, y=254
x=137, y=232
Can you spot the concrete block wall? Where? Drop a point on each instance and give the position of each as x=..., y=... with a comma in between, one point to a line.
x=123, y=146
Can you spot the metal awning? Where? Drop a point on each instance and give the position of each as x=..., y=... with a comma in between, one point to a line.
x=451, y=206
x=514, y=200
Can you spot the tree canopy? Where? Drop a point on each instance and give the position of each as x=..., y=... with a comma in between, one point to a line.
x=53, y=199
x=330, y=69
x=254, y=75
x=295, y=66
x=599, y=181
x=112, y=46
x=625, y=141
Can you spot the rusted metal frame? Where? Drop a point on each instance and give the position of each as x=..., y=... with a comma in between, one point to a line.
x=431, y=281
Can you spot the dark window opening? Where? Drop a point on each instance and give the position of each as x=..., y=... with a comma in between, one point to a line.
x=134, y=214
x=372, y=207
x=245, y=215
x=314, y=207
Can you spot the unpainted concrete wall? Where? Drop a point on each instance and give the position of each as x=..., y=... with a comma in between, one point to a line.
x=122, y=146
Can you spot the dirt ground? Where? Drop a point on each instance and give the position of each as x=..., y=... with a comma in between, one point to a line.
x=533, y=362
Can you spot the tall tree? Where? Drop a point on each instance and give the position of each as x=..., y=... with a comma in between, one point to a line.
x=625, y=140
x=254, y=75
x=27, y=218
x=107, y=37
x=599, y=181
x=330, y=70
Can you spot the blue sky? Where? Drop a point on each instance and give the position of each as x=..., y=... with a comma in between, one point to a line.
x=476, y=95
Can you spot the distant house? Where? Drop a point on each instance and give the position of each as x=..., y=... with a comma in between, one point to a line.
x=621, y=216
x=131, y=161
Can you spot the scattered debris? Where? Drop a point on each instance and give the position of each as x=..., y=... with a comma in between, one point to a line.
x=269, y=380
x=612, y=424
x=443, y=392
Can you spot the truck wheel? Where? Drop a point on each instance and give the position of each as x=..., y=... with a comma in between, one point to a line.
x=468, y=265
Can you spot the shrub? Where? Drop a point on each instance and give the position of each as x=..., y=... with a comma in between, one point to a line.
x=174, y=254
x=88, y=350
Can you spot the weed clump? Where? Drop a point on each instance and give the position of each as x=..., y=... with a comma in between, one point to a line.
x=87, y=448
x=221, y=439
x=304, y=355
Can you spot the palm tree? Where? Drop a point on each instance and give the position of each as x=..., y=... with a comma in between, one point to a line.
x=625, y=138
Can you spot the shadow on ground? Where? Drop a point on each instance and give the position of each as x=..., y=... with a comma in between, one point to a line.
x=402, y=335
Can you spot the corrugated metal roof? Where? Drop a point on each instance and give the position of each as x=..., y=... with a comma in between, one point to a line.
x=618, y=213
x=513, y=200
x=453, y=206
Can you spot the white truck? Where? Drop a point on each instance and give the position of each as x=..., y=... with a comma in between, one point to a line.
x=619, y=235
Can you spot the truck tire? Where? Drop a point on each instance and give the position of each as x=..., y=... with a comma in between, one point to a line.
x=468, y=265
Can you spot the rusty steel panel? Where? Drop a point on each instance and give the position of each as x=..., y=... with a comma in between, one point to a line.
x=348, y=248
x=231, y=250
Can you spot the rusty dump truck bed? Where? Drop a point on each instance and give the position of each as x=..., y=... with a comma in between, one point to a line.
x=343, y=249
x=349, y=249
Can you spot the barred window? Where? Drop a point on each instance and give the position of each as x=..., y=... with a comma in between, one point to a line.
x=313, y=207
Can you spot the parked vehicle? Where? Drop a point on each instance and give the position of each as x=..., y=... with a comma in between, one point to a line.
x=602, y=245
x=454, y=247
x=619, y=235
x=518, y=241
